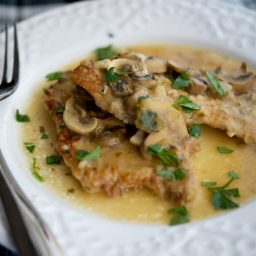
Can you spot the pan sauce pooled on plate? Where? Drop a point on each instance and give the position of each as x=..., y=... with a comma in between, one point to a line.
x=143, y=129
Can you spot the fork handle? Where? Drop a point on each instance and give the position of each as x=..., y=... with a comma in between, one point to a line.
x=17, y=228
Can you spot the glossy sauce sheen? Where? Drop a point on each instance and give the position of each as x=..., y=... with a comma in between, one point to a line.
x=142, y=205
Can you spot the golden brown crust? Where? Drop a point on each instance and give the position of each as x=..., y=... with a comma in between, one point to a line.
x=120, y=167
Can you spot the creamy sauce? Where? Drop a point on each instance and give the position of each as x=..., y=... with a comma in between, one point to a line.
x=142, y=205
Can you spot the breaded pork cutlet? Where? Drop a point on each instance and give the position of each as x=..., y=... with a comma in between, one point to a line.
x=104, y=154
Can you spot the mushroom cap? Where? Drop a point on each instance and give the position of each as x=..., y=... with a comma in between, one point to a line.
x=76, y=122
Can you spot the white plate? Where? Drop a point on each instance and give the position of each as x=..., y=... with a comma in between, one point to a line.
x=56, y=38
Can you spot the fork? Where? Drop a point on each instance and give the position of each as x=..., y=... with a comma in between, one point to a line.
x=8, y=87
x=29, y=232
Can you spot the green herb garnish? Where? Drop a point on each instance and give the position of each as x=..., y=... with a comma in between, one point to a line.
x=218, y=70
x=85, y=155
x=21, y=118
x=181, y=82
x=171, y=173
x=59, y=110
x=195, y=130
x=35, y=169
x=107, y=52
x=53, y=159
x=180, y=215
x=224, y=150
x=148, y=121
x=165, y=155
x=44, y=136
x=208, y=183
x=222, y=196
x=70, y=190
x=186, y=104
x=140, y=98
x=113, y=74
x=215, y=83
x=30, y=146
x=55, y=76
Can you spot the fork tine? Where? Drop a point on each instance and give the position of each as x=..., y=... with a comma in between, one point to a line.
x=4, y=75
x=15, y=74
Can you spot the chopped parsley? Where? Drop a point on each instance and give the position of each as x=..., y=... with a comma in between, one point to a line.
x=148, y=121
x=113, y=74
x=186, y=104
x=35, y=169
x=107, y=52
x=195, y=130
x=208, y=183
x=59, y=110
x=180, y=215
x=30, y=146
x=140, y=98
x=56, y=76
x=218, y=70
x=171, y=173
x=215, y=83
x=181, y=82
x=85, y=155
x=70, y=190
x=222, y=196
x=21, y=118
x=224, y=150
x=53, y=159
x=44, y=135
x=165, y=155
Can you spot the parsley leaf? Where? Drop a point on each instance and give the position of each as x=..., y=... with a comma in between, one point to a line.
x=107, y=52
x=186, y=104
x=113, y=74
x=224, y=150
x=35, y=169
x=59, y=110
x=215, y=83
x=218, y=70
x=233, y=175
x=195, y=130
x=85, y=155
x=44, y=136
x=165, y=155
x=208, y=183
x=148, y=121
x=221, y=199
x=53, y=159
x=21, y=118
x=171, y=173
x=56, y=76
x=222, y=196
x=180, y=215
x=181, y=82
x=30, y=146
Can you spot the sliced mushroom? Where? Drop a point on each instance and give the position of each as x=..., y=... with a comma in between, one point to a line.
x=110, y=132
x=178, y=67
x=122, y=87
x=241, y=81
x=198, y=85
x=156, y=65
x=131, y=65
x=76, y=122
x=138, y=138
